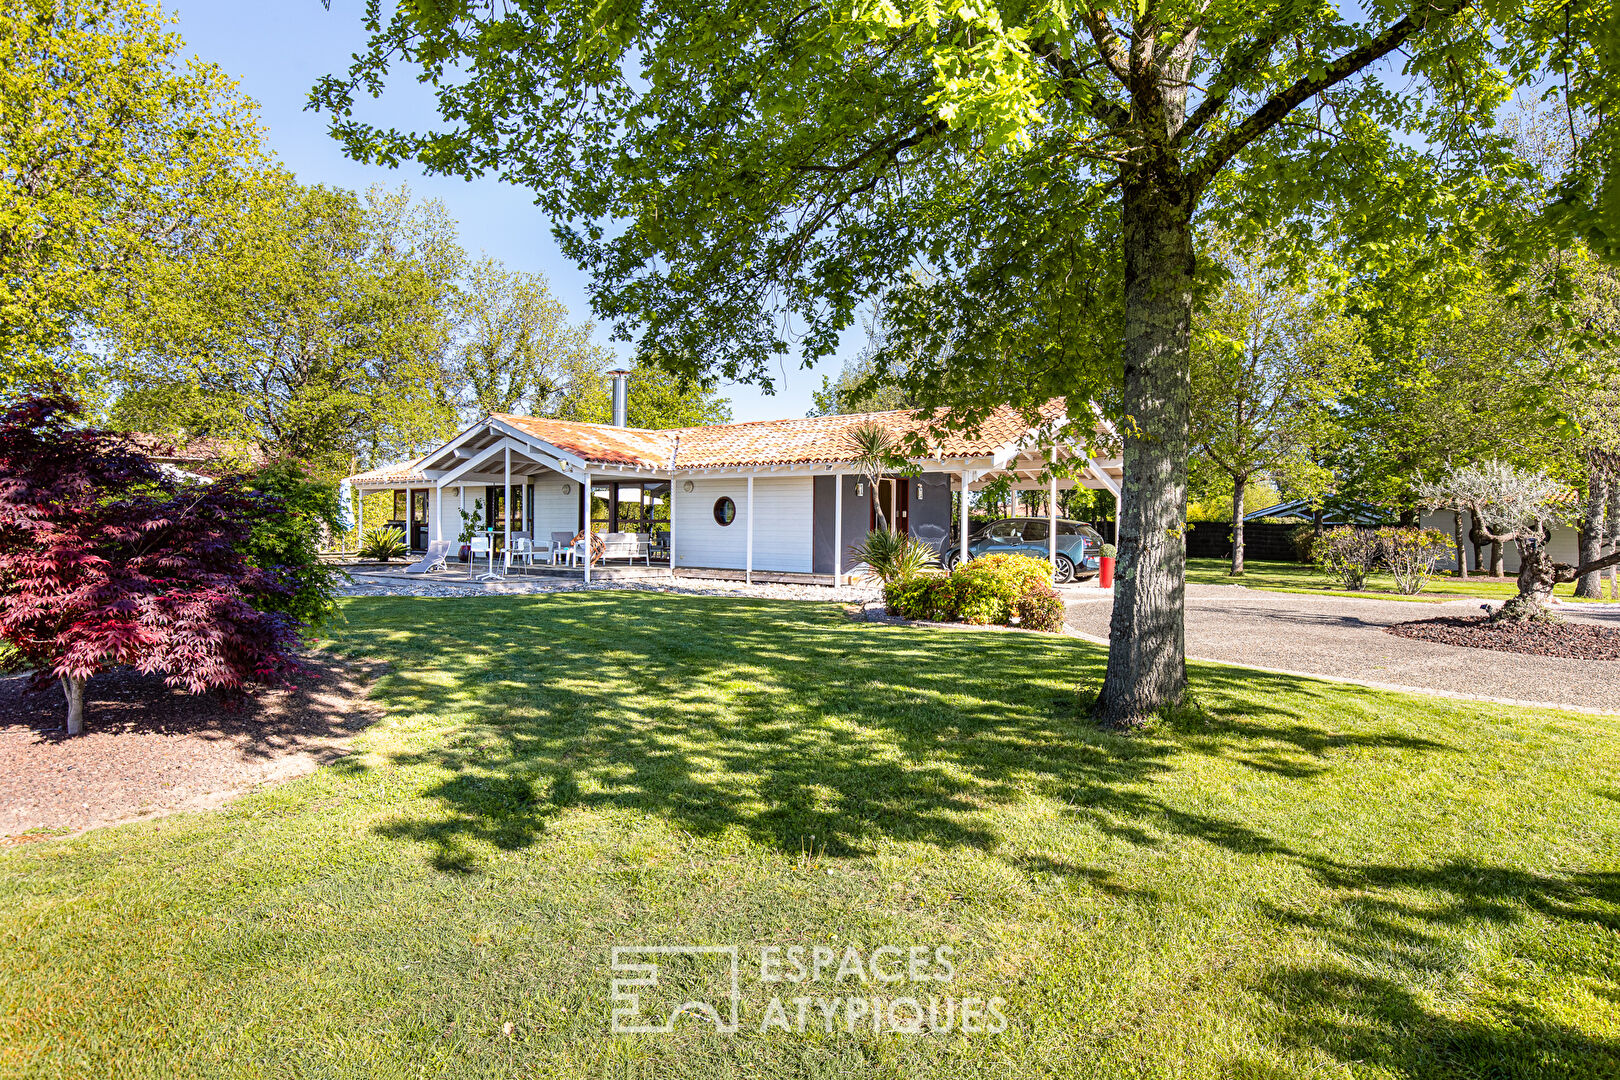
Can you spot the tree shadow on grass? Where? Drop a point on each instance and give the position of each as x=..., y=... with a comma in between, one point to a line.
x=1393, y=928
x=787, y=722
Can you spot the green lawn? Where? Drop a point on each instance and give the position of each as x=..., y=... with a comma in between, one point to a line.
x=1295, y=577
x=1314, y=880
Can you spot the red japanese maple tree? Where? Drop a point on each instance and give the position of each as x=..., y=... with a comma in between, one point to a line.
x=105, y=562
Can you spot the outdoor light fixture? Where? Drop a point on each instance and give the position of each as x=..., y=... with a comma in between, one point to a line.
x=919, y=490
x=687, y=487
x=568, y=489
x=860, y=490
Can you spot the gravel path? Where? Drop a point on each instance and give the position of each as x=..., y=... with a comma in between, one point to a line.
x=1344, y=638
x=367, y=584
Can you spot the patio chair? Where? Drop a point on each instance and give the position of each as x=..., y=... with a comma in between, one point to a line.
x=437, y=551
x=522, y=548
x=562, y=547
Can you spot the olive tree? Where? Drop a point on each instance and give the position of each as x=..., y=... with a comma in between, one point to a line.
x=1517, y=506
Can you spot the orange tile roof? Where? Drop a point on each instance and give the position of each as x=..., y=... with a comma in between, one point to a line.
x=599, y=442
x=398, y=473
x=810, y=441
x=819, y=439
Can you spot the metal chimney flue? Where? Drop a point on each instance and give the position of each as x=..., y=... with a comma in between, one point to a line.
x=621, y=397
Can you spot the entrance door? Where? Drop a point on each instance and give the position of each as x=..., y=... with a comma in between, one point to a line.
x=893, y=496
x=419, y=520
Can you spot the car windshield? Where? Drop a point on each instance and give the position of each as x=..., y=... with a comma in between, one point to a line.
x=1078, y=528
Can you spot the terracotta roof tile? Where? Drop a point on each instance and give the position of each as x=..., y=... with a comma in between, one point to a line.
x=398, y=473
x=819, y=439
x=600, y=443
x=812, y=440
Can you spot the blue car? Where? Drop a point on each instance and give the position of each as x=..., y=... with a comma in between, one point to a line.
x=1079, y=546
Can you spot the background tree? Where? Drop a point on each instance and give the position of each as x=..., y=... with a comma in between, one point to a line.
x=1516, y=506
x=288, y=543
x=1269, y=363
x=729, y=176
x=314, y=324
x=113, y=152
x=657, y=399
x=516, y=351
x=870, y=382
x=105, y=562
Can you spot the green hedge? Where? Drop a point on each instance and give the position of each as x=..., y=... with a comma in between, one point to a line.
x=987, y=591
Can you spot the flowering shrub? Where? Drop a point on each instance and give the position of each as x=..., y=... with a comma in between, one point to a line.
x=1410, y=555
x=986, y=591
x=1041, y=611
x=1349, y=554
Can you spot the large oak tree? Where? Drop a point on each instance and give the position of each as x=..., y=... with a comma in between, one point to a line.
x=741, y=178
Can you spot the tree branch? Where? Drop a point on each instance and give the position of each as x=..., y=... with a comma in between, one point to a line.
x=1280, y=105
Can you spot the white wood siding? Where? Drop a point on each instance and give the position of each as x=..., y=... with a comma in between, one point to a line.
x=783, y=509
x=553, y=510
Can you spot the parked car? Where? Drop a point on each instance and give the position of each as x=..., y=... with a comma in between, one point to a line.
x=1079, y=546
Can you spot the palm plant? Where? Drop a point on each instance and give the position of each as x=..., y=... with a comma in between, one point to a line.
x=893, y=556
x=382, y=544
x=874, y=452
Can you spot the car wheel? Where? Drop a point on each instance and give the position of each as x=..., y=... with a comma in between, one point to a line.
x=949, y=561
x=1064, y=572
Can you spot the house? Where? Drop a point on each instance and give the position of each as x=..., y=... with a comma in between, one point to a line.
x=775, y=497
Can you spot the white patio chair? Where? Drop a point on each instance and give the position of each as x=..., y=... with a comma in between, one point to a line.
x=521, y=548
x=437, y=551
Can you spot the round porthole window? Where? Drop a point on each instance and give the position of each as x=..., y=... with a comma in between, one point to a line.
x=725, y=511
x=687, y=487
x=568, y=489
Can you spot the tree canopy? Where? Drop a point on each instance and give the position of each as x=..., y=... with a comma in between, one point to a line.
x=314, y=323
x=105, y=561
x=114, y=151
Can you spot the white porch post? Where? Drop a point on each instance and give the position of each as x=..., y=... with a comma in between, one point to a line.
x=748, y=565
x=838, y=528
x=962, y=557
x=506, y=510
x=586, y=530
x=1051, y=514
x=673, y=481
x=435, y=511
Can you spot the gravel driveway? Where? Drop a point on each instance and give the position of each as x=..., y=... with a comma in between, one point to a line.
x=1344, y=638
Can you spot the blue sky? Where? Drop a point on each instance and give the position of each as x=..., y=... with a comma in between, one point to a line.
x=277, y=50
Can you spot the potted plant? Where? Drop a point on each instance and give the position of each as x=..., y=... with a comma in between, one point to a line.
x=470, y=524
x=1105, y=567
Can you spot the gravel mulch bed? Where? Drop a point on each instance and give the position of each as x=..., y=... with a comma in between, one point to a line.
x=367, y=585
x=1572, y=640
x=149, y=750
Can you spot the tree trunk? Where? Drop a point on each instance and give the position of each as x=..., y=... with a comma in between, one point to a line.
x=1456, y=533
x=1590, y=586
x=1614, y=535
x=1476, y=537
x=1498, y=563
x=1537, y=575
x=1239, y=483
x=73, y=690
x=1147, y=664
